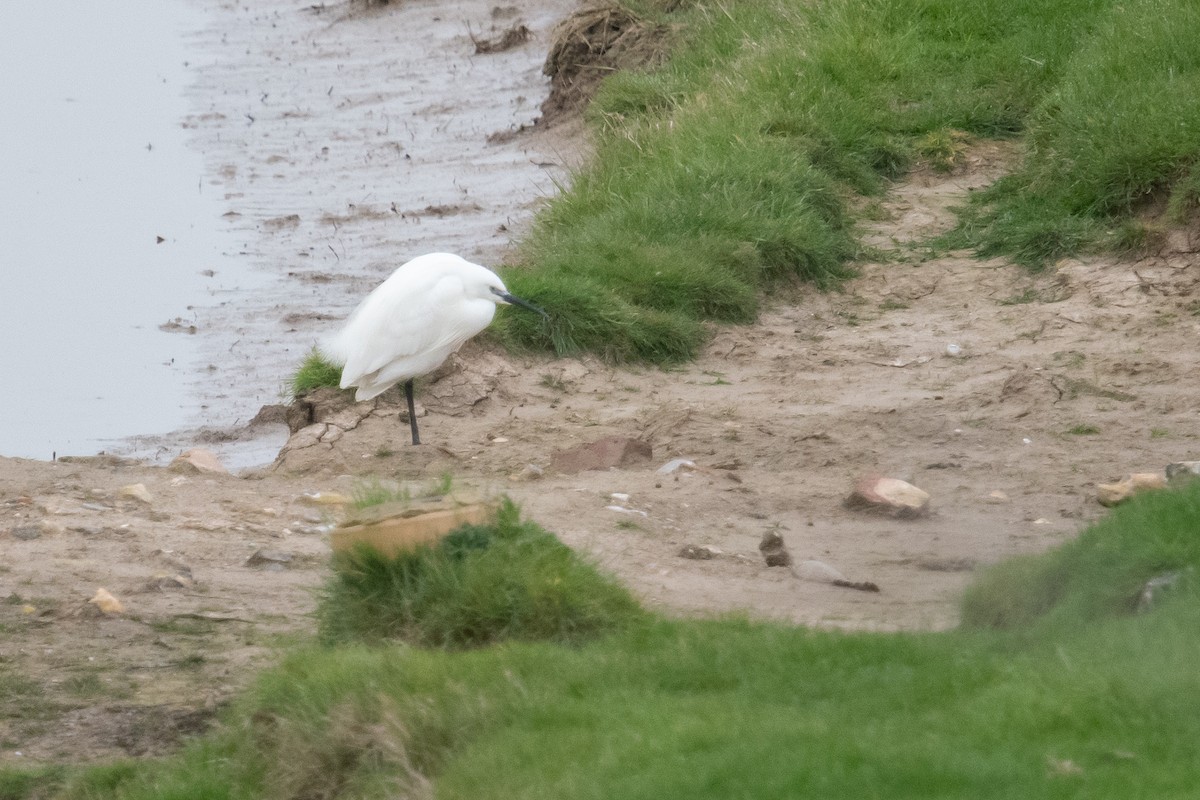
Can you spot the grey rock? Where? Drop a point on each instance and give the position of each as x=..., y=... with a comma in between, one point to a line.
x=26, y=532
x=774, y=551
x=269, y=559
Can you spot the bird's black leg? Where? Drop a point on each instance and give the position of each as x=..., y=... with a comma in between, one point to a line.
x=412, y=411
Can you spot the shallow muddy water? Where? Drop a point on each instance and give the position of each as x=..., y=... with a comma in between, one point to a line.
x=315, y=149
x=107, y=224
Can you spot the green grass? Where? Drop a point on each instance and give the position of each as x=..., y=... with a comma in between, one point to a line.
x=1100, y=574
x=725, y=173
x=314, y=372
x=1083, y=429
x=480, y=585
x=1055, y=686
x=1117, y=131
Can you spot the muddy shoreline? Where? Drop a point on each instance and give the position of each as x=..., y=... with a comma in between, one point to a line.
x=345, y=139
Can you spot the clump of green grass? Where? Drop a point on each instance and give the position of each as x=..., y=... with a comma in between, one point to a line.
x=480, y=584
x=1083, y=429
x=1086, y=171
x=943, y=149
x=1100, y=574
x=313, y=373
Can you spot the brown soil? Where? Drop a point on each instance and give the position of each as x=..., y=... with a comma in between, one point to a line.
x=779, y=418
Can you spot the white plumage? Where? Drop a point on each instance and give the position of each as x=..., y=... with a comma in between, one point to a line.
x=413, y=321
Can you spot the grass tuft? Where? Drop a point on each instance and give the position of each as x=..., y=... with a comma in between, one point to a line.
x=479, y=585
x=1100, y=574
x=1120, y=126
x=313, y=373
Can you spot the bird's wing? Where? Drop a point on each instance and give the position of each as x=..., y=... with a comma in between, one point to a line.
x=404, y=319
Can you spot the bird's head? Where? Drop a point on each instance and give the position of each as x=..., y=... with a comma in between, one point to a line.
x=499, y=294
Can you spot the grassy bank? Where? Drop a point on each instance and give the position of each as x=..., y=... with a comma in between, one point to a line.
x=725, y=172
x=728, y=172
x=1055, y=687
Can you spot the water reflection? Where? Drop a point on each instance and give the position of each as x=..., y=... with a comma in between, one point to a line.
x=107, y=226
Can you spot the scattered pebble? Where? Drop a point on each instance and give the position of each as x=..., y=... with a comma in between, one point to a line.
x=810, y=570
x=198, y=460
x=324, y=499
x=1155, y=586
x=699, y=552
x=890, y=496
x=623, y=510
x=1182, y=469
x=136, y=491
x=676, y=464
x=26, y=533
x=104, y=600
x=774, y=551
x=271, y=560
x=530, y=472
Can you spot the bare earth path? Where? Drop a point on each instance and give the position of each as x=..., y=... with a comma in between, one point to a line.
x=779, y=418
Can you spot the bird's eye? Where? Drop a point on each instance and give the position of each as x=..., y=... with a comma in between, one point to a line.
x=497, y=292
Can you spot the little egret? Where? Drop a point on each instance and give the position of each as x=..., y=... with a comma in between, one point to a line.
x=413, y=321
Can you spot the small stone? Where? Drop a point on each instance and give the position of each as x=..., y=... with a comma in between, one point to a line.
x=136, y=491
x=273, y=560
x=324, y=499
x=997, y=496
x=198, y=460
x=699, y=552
x=613, y=451
x=312, y=530
x=675, y=465
x=530, y=472
x=774, y=551
x=1111, y=494
x=1156, y=586
x=26, y=533
x=1183, y=469
x=888, y=496
x=624, y=510
x=104, y=600
x=810, y=570
x=164, y=581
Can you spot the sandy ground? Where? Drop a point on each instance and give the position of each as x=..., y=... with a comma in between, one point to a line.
x=780, y=418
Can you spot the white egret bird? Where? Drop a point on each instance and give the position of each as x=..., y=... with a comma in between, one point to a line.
x=413, y=321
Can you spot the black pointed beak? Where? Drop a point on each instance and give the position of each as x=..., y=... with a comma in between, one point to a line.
x=516, y=301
